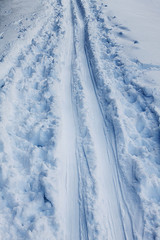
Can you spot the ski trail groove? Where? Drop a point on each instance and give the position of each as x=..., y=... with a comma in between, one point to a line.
x=97, y=151
x=111, y=143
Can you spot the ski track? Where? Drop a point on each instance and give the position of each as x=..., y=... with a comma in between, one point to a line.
x=142, y=144
x=111, y=79
x=102, y=177
x=62, y=168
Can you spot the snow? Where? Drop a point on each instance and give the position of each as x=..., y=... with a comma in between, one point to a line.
x=140, y=19
x=16, y=18
x=79, y=119
x=65, y=152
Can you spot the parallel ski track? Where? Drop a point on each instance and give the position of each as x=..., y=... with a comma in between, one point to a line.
x=108, y=143
x=130, y=202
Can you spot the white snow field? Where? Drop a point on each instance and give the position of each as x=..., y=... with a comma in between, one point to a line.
x=79, y=120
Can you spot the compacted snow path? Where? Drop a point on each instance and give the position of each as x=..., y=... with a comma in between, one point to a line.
x=66, y=143
x=76, y=135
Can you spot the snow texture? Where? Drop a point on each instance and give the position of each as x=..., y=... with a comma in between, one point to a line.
x=79, y=120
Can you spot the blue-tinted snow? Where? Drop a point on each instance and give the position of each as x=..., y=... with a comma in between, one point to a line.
x=79, y=120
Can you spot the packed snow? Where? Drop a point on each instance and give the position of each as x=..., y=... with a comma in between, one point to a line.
x=79, y=120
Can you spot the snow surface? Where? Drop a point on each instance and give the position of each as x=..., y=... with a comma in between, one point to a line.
x=79, y=120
